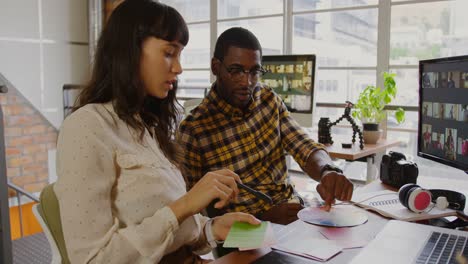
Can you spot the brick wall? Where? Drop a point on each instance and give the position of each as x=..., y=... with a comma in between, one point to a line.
x=28, y=137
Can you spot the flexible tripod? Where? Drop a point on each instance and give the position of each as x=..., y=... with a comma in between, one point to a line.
x=356, y=130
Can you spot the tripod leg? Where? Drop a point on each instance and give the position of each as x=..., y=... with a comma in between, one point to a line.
x=361, y=141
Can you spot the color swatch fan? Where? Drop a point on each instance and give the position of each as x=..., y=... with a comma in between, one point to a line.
x=337, y=217
x=246, y=236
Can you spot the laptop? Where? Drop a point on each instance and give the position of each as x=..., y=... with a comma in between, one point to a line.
x=404, y=242
x=276, y=256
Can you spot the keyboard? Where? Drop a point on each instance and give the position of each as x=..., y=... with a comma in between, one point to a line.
x=443, y=248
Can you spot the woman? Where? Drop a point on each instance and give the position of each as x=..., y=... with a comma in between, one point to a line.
x=121, y=195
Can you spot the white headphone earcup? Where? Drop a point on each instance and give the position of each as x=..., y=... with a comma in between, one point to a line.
x=442, y=203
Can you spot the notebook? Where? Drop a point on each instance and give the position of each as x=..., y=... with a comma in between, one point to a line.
x=404, y=242
x=388, y=204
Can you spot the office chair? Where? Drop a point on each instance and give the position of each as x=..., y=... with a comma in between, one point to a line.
x=47, y=213
x=190, y=104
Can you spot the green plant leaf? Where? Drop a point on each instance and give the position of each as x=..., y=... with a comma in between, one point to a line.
x=400, y=115
x=372, y=101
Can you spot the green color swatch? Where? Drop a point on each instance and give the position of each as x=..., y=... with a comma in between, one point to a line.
x=244, y=235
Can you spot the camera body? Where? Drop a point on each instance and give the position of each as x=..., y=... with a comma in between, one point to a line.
x=396, y=171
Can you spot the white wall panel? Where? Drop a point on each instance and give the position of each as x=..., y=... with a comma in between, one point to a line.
x=63, y=64
x=20, y=64
x=55, y=118
x=19, y=19
x=65, y=20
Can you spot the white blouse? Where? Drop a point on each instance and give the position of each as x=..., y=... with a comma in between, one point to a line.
x=113, y=191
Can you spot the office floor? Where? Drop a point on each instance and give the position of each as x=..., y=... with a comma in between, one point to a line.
x=32, y=249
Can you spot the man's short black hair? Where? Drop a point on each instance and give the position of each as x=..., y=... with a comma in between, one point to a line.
x=237, y=37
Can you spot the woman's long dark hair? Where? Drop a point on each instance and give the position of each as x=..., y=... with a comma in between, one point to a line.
x=116, y=69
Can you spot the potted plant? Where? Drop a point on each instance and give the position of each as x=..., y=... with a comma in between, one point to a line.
x=370, y=105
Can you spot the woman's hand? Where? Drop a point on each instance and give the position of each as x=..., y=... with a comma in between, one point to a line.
x=222, y=224
x=220, y=184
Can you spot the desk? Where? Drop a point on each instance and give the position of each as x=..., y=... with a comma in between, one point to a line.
x=369, y=229
x=354, y=153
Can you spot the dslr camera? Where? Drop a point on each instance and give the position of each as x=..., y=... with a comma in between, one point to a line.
x=396, y=171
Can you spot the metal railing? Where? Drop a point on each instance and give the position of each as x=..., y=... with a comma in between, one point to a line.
x=21, y=192
x=5, y=234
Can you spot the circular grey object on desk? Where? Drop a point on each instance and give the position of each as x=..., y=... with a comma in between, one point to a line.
x=337, y=217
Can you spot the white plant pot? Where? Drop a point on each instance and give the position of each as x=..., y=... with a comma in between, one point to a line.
x=371, y=137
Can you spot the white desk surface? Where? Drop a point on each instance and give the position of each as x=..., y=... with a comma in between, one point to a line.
x=369, y=229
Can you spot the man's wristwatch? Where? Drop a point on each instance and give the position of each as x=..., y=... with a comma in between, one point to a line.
x=330, y=167
x=209, y=234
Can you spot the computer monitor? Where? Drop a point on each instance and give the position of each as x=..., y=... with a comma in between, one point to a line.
x=292, y=78
x=443, y=111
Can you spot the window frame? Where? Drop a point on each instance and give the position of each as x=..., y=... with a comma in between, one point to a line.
x=384, y=8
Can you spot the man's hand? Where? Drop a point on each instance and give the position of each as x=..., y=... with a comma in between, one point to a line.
x=282, y=214
x=334, y=185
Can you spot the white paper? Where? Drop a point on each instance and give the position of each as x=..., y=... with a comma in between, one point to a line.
x=297, y=238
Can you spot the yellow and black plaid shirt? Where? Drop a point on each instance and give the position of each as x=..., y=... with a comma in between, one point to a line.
x=251, y=143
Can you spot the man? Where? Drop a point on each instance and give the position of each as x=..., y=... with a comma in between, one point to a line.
x=244, y=126
x=451, y=82
x=427, y=138
x=450, y=146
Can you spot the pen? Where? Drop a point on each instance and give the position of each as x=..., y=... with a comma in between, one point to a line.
x=257, y=194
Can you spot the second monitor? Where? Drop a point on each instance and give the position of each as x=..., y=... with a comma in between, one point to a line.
x=292, y=78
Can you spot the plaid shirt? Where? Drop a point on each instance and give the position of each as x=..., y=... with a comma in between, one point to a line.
x=252, y=143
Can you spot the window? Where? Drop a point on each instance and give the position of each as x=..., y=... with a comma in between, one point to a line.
x=272, y=44
x=197, y=52
x=338, y=38
x=428, y=30
x=307, y=5
x=196, y=55
x=191, y=10
x=344, y=36
x=418, y=31
x=248, y=8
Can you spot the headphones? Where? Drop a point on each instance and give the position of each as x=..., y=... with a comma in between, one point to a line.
x=417, y=199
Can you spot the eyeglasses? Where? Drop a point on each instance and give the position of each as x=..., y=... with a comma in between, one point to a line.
x=238, y=73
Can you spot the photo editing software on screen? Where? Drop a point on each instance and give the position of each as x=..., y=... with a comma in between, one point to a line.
x=292, y=78
x=443, y=126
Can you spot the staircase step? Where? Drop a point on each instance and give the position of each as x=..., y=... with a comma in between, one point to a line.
x=32, y=249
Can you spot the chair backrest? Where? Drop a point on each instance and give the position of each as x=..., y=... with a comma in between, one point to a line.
x=190, y=104
x=49, y=211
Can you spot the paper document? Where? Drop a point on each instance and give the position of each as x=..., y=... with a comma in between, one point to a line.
x=300, y=239
x=346, y=237
x=246, y=236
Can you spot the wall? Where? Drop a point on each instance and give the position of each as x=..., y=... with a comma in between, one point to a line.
x=43, y=45
x=28, y=138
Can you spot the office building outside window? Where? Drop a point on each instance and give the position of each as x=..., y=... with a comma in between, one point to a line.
x=344, y=35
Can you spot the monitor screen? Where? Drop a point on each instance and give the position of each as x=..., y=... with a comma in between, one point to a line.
x=292, y=78
x=443, y=111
